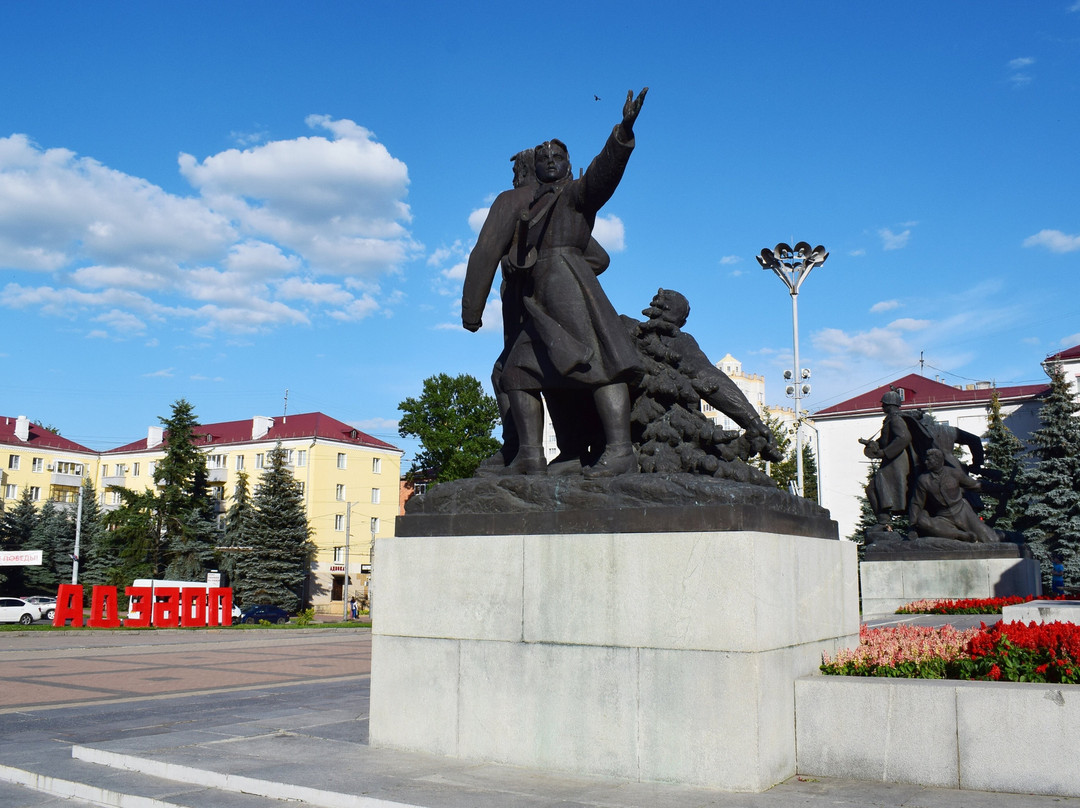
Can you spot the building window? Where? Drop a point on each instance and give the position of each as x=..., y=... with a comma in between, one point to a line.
x=289, y=456
x=376, y=496
x=340, y=460
x=374, y=525
x=104, y=469
x=376, y=465
x=11, y=491
x=339, y=493
x=37, y=465
x=259, y=460
x=114, y=497
x=13, y=462
x=300, y=487
x=339, y=522
x=339, y=555
x=35, y=493
x=215, y=461
x=151, y=467
x=67, y=467
x=301, y=457
x=135, y=469
x=239, y=462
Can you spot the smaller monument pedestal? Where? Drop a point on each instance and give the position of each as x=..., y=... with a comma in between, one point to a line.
x=660, y=656
x=895, y=573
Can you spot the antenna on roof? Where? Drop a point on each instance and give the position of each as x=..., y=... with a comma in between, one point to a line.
x=920, y=363
x=285, y=411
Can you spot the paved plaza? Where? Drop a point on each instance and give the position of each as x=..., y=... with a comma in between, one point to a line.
x=223, y=718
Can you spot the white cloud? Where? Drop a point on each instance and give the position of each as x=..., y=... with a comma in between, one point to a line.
x=909, y=324
x=1054, y=240
x=456, y=272
x=357, y=309
x=730, y=259
x=883, y=345
x=269, y=223
x=610, y=233
x=477, y=219
x=884, y=305
x=1072, y=339
x=298, y=289
x=164, y=373
x=1020, y=63
x=893, y=241
x=857, y=253
x=122, y=321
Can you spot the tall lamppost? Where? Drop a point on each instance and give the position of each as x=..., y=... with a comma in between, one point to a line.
x=792, y=265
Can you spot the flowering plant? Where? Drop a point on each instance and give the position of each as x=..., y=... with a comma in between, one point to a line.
x=971, y=605
x=1012, y=652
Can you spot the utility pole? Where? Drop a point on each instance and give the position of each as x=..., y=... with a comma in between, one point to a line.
x=345, y=589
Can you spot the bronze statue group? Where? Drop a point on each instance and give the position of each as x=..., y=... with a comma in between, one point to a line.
x=623, y=395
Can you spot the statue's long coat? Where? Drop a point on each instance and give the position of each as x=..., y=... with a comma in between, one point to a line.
x=570, y=335
x=891, y=480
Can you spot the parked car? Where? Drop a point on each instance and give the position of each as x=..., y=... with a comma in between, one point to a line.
x=17, y=610
x=45, y=603
x=271, y=614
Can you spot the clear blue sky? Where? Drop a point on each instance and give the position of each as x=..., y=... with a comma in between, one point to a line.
x=222, y=201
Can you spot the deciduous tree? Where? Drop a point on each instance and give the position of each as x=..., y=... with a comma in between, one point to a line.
x=453, y=419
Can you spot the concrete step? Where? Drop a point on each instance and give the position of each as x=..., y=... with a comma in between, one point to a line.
x=60, y=778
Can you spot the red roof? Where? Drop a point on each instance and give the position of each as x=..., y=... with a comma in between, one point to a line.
x=920, y=392
x=1068, y=353
x=38, y=438
x=302, y=425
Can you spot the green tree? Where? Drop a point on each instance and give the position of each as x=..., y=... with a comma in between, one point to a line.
x=237, y=519
x=1002, y=507
x=276, y=568
x=91, y=536
x=786, y=471
x=1051, y=522
x=54, y=535
x=130, y=546
x=170, y=531
x=189, y=529
x=16, y=533
x=453, y=420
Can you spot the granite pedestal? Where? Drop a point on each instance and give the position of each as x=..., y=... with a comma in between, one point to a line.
x=659, y=656
x=890, y=580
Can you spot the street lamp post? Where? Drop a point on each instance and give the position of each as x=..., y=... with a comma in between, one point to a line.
x=792, y=265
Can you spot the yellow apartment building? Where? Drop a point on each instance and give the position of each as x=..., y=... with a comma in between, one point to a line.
x=349, y=481
x=50, y=466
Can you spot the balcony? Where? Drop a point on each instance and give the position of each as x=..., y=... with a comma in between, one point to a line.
x=216, y=475
x=68, y=480
x=116, y=481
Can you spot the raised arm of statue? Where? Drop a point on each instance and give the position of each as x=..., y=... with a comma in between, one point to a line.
x=631, y=109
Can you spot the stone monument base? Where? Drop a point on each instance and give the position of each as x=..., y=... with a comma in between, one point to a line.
x=895, y=576
x=664, y=657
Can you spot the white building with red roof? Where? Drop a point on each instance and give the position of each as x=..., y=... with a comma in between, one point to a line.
x=842, y=467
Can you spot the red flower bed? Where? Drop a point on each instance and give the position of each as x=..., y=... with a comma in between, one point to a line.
x=973, y=605
x=1010, y=652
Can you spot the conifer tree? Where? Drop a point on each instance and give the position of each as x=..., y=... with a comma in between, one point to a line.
x=1004, y=462
x=54, y=535
x=16, y=532
x=1051, y=522
x=236, y=522
x=91, y=530
x=189, y=529
x=275, y=569
x=130, y=547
